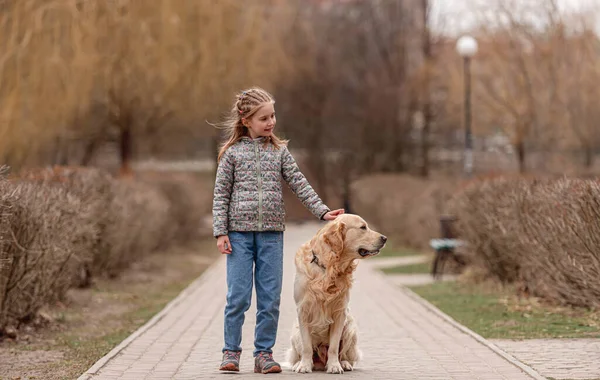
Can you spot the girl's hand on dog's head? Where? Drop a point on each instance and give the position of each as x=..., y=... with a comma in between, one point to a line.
x=331, y=215
x=224, y=245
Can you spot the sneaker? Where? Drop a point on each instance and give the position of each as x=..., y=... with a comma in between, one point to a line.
x=231, y=361
x=264, y=363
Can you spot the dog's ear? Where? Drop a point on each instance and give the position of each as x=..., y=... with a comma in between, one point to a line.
x=334, y=238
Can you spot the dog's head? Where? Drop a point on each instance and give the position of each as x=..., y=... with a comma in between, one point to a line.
x=349, y=237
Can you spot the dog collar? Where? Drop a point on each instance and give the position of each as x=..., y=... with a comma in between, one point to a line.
x=315, y=260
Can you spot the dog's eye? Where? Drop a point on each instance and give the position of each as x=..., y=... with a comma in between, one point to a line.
x=363, y=227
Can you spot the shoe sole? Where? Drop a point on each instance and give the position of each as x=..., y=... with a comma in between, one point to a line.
x=230, y=367
x=274, y=369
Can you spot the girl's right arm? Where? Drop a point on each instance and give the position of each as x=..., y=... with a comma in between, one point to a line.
x=222, y=194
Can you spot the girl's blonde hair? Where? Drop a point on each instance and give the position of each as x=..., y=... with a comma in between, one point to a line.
x=245, y=106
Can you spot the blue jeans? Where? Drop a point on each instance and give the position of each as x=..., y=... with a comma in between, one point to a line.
x=258, y=256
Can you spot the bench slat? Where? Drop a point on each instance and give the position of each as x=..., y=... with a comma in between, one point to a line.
x=445, y=243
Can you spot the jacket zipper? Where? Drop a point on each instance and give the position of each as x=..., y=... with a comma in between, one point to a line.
x=260, y=195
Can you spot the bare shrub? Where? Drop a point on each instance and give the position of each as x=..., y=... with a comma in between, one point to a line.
x=561, y=232
x=541, y=234
x=130, y=217
x=57, y=223
x=46, y=231
x=188, y=201
x=95, y=188
x=487, y=216
x=137, y=214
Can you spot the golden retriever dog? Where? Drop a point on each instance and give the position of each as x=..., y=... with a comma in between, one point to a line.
x=325, y=336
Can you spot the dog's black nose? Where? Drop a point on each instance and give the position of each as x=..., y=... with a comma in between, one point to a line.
x=383, y=238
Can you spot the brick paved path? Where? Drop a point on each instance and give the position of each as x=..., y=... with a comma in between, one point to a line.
x=558, y=358
x=401, y=337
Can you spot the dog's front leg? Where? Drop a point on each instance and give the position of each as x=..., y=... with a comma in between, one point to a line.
x=335, y=334
x=306, y=356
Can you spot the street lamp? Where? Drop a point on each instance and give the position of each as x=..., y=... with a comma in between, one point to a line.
x=466, y=46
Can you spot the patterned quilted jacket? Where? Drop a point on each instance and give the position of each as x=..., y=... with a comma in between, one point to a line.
x=248, y=191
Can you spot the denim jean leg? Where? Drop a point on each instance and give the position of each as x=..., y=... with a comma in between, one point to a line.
x=268, y=280
x=240, y=263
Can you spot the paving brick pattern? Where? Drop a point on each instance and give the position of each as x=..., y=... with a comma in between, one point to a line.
x=558, y=358
x=400, y=337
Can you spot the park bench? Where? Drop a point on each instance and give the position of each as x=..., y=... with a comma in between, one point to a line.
x=445, y=247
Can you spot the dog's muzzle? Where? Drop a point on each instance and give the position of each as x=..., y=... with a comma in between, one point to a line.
x=365, y=252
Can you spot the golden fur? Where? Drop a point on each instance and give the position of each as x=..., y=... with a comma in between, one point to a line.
x=324, y=276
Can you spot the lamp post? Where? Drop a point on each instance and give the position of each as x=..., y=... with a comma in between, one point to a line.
x=466, y=46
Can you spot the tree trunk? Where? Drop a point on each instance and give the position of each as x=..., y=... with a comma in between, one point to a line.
x=398, y=155
x=396, y=149
x=60, y=154
x=589, y=157
x=126, y=145
x=317, y=166
x=425, y=140
x=89, y=151
x=347, y=166
x=520, y=147
x=426, y=107
x=346, y=198
x=215, y=150
x=396, y=159
x=317, y=159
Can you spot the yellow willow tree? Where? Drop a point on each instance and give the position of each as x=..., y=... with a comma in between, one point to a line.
x=243, y=48
x=166, y=66
x=142, y=61
x=44, y=77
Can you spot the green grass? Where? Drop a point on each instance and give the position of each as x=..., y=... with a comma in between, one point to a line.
x=497, y=314
x=82, y=353
x=409, y=269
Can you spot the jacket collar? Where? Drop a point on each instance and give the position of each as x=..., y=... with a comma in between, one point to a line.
x=251, y=140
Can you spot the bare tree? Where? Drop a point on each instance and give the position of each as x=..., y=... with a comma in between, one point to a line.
x=577, y=75
x=350, y=88
x=514, y=70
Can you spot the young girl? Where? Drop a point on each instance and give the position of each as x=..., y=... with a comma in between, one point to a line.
x=248, y=222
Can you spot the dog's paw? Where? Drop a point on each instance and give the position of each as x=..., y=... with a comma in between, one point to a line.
x=346, y=365
x=302, y=367
x=334, y=367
